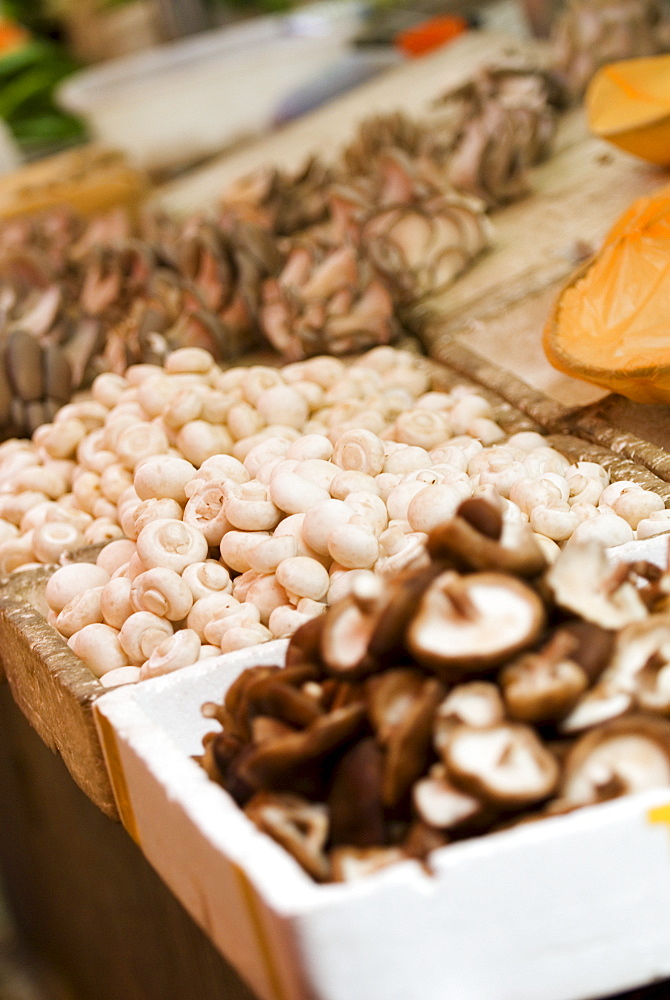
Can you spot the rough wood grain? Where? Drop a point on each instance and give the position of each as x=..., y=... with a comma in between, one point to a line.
x=51, y=685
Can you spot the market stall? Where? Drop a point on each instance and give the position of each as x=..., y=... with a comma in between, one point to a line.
x=126, y=855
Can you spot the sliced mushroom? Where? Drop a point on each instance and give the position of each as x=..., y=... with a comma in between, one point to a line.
x=440, y=804
x=469, y=541
x=582, y=580
x=506, y=765
x=543, y=686
x=300, y=827
x=477, y=704
x=469, y=624
x=626, y=755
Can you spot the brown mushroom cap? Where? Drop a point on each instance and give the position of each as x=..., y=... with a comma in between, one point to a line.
x=469, y=541
x=505, y=765
x=582, y=580
x=468, y=624
x=629, y=754
x=409, y=743
x=390, y=696
x=544, y=686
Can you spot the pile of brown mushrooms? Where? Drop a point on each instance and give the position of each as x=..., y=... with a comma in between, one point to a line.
x=79, y=296
x=478, y=691
x=590, y=33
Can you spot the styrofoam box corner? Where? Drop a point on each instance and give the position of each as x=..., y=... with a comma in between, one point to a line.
x=569, y=908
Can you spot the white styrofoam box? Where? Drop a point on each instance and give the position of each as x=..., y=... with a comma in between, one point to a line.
x=181, y=101
x=568, y=908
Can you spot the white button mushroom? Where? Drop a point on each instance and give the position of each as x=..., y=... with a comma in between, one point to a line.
x=170, y=543
x=173, y=653
x=99, y=647
x=68, y=581
x=163, y=592
x=141, y=633
x=208, y=577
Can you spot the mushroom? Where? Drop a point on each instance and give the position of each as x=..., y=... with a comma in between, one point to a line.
x=160, y=476
x=163, y=592
x=206, y=578
x=408, y=743
x=505, y=765
x=440, y=804
x=172, y=653
x=99, y=647
x=583, y=580
x=300, y=827
x=83, y=609
x=544, y=685
x=170, y=543
x=141, y=633
x=355, y=796
x=477, y=704
x=478, y=538
x=622, y=756
x=68, y=581
x=470, y=624
x=295, y=762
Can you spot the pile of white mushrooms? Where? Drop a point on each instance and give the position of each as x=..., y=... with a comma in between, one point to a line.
x=236, y=504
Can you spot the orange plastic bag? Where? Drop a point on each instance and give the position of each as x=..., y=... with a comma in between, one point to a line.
x=611, y=324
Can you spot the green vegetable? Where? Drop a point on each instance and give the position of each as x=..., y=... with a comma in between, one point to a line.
x=29, y=75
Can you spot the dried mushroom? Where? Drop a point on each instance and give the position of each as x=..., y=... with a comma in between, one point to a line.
x=368, y=749
x=505, y=765
x=467, y=624
x=622, y=756
x=585, y=582
x=543, y=686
